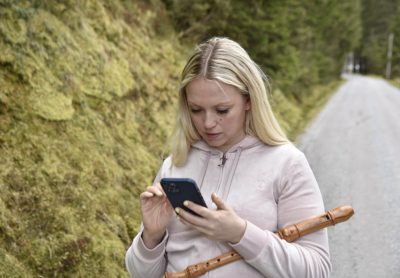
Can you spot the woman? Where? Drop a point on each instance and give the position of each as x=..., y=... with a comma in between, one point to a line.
x=252, y=178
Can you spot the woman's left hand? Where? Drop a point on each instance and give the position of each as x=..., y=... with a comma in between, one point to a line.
x=221, y=224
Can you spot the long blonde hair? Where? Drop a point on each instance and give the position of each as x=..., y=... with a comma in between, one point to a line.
x=226, y=61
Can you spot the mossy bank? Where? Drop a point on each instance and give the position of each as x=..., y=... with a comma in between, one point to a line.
x=87, y=97
x=86, y=102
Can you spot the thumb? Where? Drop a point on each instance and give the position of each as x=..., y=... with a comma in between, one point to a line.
x=219, y=202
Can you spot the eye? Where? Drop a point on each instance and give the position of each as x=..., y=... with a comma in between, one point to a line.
x=223, y=111
x=195, y=110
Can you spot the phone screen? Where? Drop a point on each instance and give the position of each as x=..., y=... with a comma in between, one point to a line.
x=179, y=190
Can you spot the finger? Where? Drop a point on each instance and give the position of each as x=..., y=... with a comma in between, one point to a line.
x=159, y=187
x=219, y=202
x=155, y=190
x=189, y=217
x=200, y=210
x=185, y=222
x=146, y=195
x=167, y=205
x=201, y=229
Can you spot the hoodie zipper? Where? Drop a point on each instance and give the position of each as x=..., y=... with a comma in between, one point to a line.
x=223, y=160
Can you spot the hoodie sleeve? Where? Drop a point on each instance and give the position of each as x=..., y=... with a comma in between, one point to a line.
x=299, y=198
x=143, y=262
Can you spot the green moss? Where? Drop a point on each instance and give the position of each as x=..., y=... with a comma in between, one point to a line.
x=87, y=101
x=12, y=267
x=83, y=92
x=12, y=28
x=286, y=111
x=52, y=106
x=6, y=53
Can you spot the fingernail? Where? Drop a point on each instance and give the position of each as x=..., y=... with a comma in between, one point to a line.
x=186, y=203
x=177, y=210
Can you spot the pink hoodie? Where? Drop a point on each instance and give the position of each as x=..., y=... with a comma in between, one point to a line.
x=269, y=186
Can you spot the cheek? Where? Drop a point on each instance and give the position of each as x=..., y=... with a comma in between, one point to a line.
x=196, y=120
x=234, y=122
x=227, y=122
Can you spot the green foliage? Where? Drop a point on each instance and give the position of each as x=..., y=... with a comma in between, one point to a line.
x=378, y=18
x=395, y=29
x=339, y=31
x=194, y=19
x=299, y=44
x=87, y=97
x=85, y=87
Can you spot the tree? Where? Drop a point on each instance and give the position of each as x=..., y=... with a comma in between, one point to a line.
x=377, y=19
x=396, y=45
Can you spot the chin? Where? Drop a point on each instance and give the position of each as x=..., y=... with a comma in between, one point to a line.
x=214, y=144
x=219, y=146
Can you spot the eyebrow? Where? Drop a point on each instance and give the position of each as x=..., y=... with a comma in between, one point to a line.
x=219, y=104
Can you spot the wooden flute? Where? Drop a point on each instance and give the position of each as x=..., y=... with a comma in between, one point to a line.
x=290, y=233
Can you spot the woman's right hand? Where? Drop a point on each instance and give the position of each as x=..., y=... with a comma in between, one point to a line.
x=156, y=214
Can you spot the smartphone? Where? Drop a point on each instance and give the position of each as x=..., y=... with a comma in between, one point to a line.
x=179, y=190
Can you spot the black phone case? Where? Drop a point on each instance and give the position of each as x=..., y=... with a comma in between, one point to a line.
x=179, y=190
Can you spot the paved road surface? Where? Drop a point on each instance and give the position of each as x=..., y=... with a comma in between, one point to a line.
x=353, y=147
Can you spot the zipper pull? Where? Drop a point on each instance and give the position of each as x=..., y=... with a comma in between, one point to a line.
x=223, y=160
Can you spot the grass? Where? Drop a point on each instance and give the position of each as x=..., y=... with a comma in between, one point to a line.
x=395, y=82
x=293, y=115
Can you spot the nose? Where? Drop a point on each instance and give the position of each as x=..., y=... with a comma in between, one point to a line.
x=210, y=121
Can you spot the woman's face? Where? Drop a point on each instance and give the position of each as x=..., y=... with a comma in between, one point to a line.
x=218, y=112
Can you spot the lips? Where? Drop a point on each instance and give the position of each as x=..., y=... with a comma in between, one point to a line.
x=212, y=136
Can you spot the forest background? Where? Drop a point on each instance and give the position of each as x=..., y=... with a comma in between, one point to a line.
x=87, y=97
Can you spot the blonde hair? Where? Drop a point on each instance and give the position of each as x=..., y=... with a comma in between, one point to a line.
x=224, y=60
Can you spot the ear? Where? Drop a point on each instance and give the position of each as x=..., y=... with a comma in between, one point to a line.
x=248, y=103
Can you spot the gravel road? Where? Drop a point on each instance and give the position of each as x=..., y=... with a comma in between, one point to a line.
x=353, y=146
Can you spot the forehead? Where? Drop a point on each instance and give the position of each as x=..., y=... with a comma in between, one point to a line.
x=205, y=91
